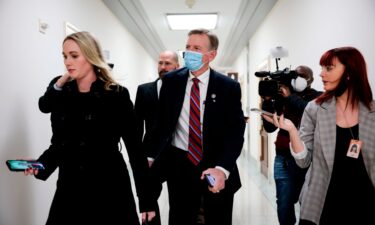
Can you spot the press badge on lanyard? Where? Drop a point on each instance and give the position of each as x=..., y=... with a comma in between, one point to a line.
x=354, y=148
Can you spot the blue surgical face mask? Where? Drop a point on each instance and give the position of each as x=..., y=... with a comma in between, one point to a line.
x=193, y=60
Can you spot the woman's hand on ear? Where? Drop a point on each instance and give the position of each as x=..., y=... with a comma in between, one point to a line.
x=62, y=80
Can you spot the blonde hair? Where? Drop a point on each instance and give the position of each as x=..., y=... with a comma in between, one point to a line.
x=92, y=52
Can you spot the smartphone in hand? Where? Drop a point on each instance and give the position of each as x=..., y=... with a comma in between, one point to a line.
x=18, y=165
x=260, y=111
x=210, y=180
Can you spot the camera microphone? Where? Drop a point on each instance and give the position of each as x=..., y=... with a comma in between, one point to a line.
x=262, y=73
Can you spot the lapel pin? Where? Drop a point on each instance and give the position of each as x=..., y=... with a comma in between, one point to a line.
x=213, y=96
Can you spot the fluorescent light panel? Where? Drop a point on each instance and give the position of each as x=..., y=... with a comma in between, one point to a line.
x=192, y=21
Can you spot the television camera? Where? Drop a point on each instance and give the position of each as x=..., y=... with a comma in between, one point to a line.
x=269, y=86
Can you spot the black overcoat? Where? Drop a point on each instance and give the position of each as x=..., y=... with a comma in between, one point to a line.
x=93, y=185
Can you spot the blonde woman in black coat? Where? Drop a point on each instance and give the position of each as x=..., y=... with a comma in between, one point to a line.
x=90, y=113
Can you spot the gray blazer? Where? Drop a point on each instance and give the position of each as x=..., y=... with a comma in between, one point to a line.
x=318, y=132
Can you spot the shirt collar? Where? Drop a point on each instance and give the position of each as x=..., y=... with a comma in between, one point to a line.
x=203, y=78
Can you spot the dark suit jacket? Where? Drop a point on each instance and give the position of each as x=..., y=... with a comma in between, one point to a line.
x=223, y=122
x=146, y=109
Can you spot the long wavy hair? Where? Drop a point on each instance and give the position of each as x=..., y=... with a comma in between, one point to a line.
x=354, y=79
x=92, y=52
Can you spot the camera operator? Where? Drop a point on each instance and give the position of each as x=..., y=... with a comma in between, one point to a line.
x=291, y=101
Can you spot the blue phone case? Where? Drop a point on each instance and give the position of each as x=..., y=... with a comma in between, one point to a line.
x=22, y=165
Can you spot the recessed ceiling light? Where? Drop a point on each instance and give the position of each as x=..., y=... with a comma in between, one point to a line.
x=192, y=21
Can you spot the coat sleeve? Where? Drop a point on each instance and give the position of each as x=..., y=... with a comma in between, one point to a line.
x=137, y=157
x=139, y=111
x=51, y=98
x=299, y=103
x=306, y=133
x=48, y=103
x=49, y=159
x=235, y=130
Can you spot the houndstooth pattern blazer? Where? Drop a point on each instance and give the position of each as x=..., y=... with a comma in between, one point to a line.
x=318, y=132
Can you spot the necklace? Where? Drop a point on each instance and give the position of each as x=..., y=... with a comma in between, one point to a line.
x=355, y=144
x=350, y=128
x=346, y=120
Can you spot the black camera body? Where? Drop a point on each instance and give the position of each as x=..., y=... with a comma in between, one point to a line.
x=270, y=85
x=269, y=88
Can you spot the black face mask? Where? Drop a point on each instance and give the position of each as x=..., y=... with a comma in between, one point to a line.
x=343, y=85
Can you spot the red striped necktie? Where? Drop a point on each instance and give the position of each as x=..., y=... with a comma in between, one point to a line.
x=195, y=133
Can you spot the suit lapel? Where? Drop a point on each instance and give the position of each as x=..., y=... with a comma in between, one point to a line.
x=178, y=93
x=327, y=131
x=210, y=97
x=153, y=90
x=367, y=135
x=180, y=88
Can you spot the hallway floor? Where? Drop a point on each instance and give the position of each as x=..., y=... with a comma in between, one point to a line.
x=254, y=203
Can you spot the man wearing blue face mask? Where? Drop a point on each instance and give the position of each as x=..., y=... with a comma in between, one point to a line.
x=193, y=60
x=200, y=133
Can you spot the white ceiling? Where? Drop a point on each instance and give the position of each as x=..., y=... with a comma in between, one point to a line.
x=146, y=20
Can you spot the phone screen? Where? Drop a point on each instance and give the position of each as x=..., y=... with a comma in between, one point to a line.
x=210, y=180
x=262, y=112
x=22, y=165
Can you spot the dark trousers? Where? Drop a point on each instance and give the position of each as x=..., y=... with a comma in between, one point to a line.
x=156, y=220
x=188, y=193
x=289, y=179
x=305, y=222
x=157, y=188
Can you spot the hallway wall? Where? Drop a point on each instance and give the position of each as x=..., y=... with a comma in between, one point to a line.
x=29, y=60
x=307, y=29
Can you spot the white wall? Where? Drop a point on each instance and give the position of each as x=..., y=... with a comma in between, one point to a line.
x=308, y=28
x=29, y=60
